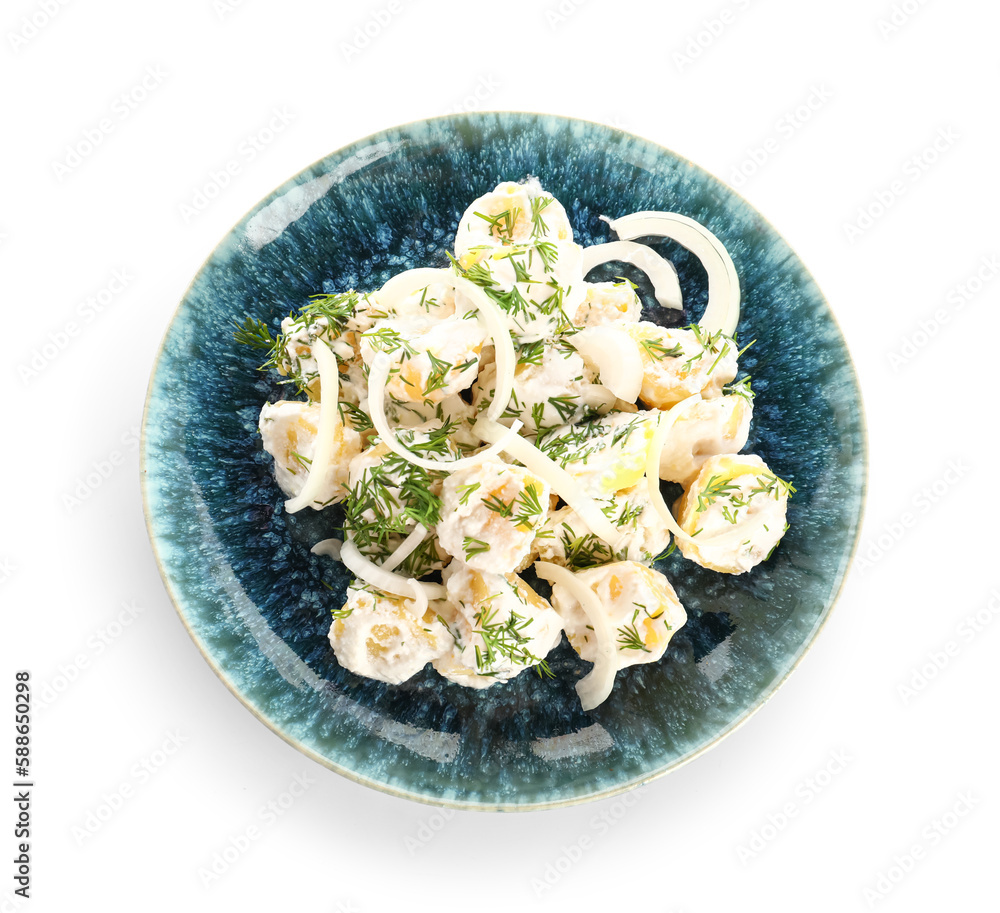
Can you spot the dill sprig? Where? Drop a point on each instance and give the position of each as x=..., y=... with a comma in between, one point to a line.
x=388, y=499
x=304, y=462
x=578, y=442
x=770, y=484
x=629, y=638
x=497, y=505
x=742, y=388
x=530, y=506
x=549, y=254
x=585, y=551
x=504, y=640
x=565, y=405
x=531, y=353
x=538, y=226
x=335, y=309
x=359, y=419
x=502, y=223
x=254, y=333
x=718, y=486
x=478, y=272
x=657, y=351
x=521, y=271
x=709, y=343
x=473, y=547
x=773, y=547
x=465, y=492
x=719, y=357
x=538, y=417
x=440, y=374
x=388, y=339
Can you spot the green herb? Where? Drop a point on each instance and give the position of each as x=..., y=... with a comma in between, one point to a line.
x=719, y=358
x=437, y=378
x=740, y=388
x=521, y=271
x=629, y=639
x=387, y=339
x=530, y=506
x=657, y=351
x=466, y=491
x=504, y=640
x=531, y=353
x=717, y=487
x=538, y=415
x=549, y=254
x=502, y=223
x=773, y=547
x=336, y=309
x=473, y=547
x=538, y=226
x=770, y=484
x=304, y=462
x=586, y=551
x=359, y=419
x=565, y=405
x=254, y=333
x=496, y=504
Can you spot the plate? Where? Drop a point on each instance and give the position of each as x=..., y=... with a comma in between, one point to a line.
x=257, y=603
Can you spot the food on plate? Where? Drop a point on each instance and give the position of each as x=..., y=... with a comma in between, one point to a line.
x=288, y=429
x=379, y=635
x=501, y=419
x=709, y=427
x=733, y=513
x=500, y=625
x=641, y=606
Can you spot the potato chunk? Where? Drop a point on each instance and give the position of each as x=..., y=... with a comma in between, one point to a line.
x=738, y=497
x=490, y=513
x=288, y=429
x=377, y=635
x=642, y=609
x=679, y=363
x=501, y=627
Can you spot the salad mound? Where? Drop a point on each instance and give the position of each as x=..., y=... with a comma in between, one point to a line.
x=502, y=413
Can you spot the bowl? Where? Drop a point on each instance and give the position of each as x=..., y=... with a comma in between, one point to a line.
x=257, y=603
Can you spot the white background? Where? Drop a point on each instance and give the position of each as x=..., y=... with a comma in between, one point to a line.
x=847, y=791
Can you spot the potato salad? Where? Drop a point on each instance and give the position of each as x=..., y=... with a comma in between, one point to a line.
x=501, y=420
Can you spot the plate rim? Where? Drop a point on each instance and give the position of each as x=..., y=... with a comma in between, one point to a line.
x=466, y=805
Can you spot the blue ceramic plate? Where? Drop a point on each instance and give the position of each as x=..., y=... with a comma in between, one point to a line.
x=258, y=604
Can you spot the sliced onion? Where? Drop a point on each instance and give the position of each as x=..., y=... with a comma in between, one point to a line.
x=404, y=284
x=656, y=445
x=661, y=272
x=594, y=687
x=506, y=361
x=386, y=581
x=561, y=482
x=406, y=548
x=723, y=311
x=378, y=377
x=663, y=428
x=616, y=356
x=326, y=434
x=419, y=597
x=598, y=398
x=329, y=547
x=496, y=326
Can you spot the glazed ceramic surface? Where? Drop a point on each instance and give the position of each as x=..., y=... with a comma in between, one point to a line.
x=257, y=603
